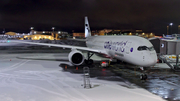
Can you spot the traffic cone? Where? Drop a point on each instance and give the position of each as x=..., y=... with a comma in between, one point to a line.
x=76, y=68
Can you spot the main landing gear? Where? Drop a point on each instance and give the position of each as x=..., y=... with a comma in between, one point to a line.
x=89, y=61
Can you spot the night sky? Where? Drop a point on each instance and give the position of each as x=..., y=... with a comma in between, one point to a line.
x=68, y=15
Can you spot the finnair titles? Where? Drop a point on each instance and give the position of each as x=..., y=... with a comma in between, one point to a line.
x=116, y=46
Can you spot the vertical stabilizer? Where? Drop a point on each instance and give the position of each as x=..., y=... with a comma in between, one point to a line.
x=87, y=28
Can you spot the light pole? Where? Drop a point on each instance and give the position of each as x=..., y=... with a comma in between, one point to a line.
x=167, y=30
x=32, y=32
x=171, y=27
x=53, y=31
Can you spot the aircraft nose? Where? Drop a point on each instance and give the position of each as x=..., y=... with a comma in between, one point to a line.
x=152, y=60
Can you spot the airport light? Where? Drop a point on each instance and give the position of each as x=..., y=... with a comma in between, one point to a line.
x=53, y=29
x=171, y=24
x=32, y=28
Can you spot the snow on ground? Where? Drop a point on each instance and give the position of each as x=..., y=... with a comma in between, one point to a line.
x=42, y=80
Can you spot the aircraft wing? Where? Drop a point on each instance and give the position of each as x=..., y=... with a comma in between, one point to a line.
x=63, y=46
x=77, y=39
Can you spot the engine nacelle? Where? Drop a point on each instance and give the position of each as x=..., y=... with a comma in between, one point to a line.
x=76, y=57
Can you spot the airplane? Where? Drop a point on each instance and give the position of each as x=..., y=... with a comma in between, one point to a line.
x=131, y=49
x=169, y=37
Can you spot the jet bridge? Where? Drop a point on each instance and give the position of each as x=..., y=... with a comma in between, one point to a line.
x=172, y=62
x=170, y=47
x=168, y=51
x=165, y=46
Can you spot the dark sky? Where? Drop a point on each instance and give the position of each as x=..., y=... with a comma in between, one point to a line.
x=68, y=15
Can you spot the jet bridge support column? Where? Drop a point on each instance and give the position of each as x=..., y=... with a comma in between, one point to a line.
x=177, y=61
x=87, y=83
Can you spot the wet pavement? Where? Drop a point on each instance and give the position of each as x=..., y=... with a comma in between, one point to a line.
x=162, y=82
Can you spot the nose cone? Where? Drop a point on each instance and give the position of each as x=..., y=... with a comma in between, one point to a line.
x=152, y=60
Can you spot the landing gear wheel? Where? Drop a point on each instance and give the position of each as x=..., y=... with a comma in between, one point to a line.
x=86, y=61
x=143, y=77
x=89, y=62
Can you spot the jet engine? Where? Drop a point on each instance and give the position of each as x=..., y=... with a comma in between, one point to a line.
x=76, y=57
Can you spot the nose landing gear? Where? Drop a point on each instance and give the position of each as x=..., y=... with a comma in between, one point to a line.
x=143, y=77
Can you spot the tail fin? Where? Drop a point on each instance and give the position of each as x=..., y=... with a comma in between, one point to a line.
x=87, y=28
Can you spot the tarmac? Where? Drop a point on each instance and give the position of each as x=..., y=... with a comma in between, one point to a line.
x=39, y=74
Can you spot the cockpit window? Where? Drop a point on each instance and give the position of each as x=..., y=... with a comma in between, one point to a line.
x=151, y=48
x=140, y=48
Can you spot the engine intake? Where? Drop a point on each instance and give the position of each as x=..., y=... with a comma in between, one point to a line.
x=76, y=57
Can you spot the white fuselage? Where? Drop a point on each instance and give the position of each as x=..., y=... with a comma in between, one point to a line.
x=132, y=49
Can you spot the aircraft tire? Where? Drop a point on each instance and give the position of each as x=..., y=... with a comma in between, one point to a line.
x=86, y=61
x=143, y=77
x=89, y=62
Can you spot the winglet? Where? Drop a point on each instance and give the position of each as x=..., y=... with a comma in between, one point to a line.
x=87, y=28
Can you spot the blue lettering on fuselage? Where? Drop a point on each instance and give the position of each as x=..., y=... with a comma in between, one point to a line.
x=115, y=46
